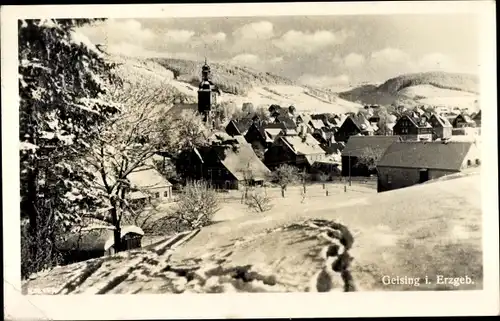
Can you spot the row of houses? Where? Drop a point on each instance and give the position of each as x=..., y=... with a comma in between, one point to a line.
x=323, y=142
x=410, y=125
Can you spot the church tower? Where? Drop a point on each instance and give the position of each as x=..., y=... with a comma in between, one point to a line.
x=207, y=93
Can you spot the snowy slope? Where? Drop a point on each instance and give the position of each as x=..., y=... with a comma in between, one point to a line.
x=283, y=250
x=304, y=99
x=432, y=88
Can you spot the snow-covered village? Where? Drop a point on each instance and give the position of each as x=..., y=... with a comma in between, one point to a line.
x=252, y=154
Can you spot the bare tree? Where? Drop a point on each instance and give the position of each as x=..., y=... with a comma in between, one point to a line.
x=248, y=180
x=190, y=130
x=196, y=205
x=142, y=215
x=304, y=177
x=323, y=177
x=284, y=175
x=369, y=158
x=259, y=202
x=247, y=108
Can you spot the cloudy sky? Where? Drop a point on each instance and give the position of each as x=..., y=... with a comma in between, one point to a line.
x=327, y=50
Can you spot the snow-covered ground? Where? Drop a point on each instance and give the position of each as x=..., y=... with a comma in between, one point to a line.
x=280, y=95
x=435, y=96
x=395, y=233
x=433, y=92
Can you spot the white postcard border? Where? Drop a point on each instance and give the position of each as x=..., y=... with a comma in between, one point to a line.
x=17, y=306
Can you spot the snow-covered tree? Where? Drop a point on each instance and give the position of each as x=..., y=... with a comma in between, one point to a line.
x=62, y=83
x=196, y=206
x=126, y=143
x=284, y=175
x=191, y=131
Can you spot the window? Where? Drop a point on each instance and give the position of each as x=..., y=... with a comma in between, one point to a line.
x=469, y=162
x=157, y=195
x=165, y=194
x=478, y=162
x=388, y=178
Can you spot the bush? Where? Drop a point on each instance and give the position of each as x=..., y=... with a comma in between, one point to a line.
x=259, y=202
x=196, y=206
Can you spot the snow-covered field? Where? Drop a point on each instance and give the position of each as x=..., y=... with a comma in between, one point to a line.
x=153, y=74
x=433, y=92
x=435, y=96
x=280, y=95
x=431, y=229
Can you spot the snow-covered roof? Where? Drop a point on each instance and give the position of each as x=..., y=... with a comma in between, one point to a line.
x=317, y=123
x=147, y=178
x=301, y=146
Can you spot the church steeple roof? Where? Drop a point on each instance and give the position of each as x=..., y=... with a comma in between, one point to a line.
x=206, y=67
x=205, y=83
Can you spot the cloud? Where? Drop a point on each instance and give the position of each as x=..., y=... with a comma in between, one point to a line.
x=132, y=50
x=276, y=60
x=389, y=55
x=261, y=30
x=354, y=60
x=245, y=59
x=309, y=42
x=389, y=62
x=128, y=49
x=214, y=37
x=436, y=62
x=323, y=81
x=116, y=31
x=178, y=36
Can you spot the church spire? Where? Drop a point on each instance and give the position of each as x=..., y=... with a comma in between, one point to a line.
x=205, y=71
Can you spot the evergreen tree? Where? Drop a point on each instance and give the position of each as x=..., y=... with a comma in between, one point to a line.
x=62, y=82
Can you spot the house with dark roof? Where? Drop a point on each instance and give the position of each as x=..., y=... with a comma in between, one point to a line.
x=409, y=163
x=299, y=151
x=354, y=125
x=442, y=127
x=286, y=120
x=325, y=136
x=227, y=165
x=462, y=121
x=413, y=129
x=329, y=120
x=240, y=126
x=361, y=154
x=283, y=115
x=261, y=135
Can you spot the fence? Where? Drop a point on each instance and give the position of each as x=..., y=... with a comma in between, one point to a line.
x=312, y=190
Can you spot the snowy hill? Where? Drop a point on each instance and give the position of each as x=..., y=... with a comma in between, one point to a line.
x=431, y=88
x=180, y=78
